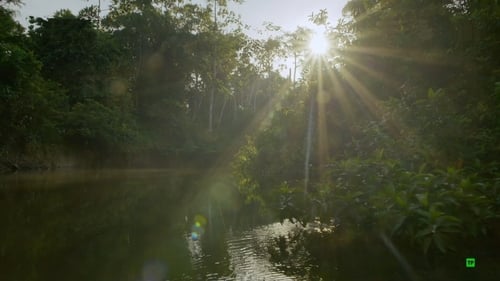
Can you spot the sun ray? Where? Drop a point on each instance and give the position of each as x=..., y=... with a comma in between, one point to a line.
x=260, y=121
x=411, y=55
x=375, y=106
x=340, y=93
x=375, y=74
x=323, y=144
x=365, y=96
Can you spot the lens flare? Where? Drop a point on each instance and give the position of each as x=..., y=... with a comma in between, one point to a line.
x=195, y=236
x=154, y=271
x=198, y=227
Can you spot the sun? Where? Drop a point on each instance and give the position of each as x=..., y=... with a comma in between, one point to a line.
x=318, y=45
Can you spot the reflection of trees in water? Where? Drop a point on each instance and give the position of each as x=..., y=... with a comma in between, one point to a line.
x=248, y=252
x=346, y=255
x=94, y=230
x=324, y=255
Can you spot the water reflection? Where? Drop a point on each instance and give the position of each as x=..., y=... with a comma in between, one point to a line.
x=248, y=252
x=148, y=225
x=128, y=225
x=93, y=225
x=241, y=254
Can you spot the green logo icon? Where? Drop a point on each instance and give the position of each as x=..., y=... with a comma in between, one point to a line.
x=470, y=262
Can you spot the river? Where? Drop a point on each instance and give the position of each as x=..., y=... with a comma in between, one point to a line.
x=157, y=225
x=146, y=225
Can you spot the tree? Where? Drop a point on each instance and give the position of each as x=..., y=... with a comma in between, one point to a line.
x=74, y=54
x=85, y=62
x=30, y=107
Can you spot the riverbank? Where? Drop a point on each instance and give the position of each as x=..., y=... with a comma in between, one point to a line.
x=89, y=160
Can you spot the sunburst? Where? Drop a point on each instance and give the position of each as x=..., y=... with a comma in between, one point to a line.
x=318, y=44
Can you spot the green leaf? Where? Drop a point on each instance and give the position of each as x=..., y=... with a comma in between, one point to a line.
x=401, y=202
x=430, y=93
x=426, y=244
x=398, y=224
x=439, y=243
x=424, y=232
x=423, y=198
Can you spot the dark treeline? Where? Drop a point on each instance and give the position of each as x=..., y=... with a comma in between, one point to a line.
x=152, y=83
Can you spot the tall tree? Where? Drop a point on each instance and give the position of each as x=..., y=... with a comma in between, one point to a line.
x=31, y=107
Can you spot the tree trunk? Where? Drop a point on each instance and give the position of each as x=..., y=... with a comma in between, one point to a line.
x=211, y=109
x=197, y=107
x=197, y=98
x=235, y=112
x=214, y=78
x=222, y=111
x=294, y=68
x=254, y=101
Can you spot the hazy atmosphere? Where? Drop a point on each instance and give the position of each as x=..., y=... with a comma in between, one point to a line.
x=252, y=12
x=153, y=140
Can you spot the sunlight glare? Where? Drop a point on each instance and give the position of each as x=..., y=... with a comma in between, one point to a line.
x=318, y=45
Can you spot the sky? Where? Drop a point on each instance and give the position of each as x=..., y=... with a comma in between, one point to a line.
x=289, y=14
x=285, y=13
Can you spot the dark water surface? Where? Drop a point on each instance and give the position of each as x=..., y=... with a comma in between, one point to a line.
x=143, y=225
x=156, y=225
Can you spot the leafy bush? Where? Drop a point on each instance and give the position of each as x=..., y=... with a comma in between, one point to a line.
x=93, y=125
x=430, y=209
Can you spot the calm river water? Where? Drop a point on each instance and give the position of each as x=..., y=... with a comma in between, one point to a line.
x=145, y=225
x=157, y=225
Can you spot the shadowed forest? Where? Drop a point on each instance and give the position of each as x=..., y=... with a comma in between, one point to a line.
x=388, y=137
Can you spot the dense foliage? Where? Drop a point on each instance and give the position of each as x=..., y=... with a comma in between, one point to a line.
x=404, y=122
x=152, y=83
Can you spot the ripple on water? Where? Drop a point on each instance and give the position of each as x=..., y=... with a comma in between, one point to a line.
x=247, y=251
